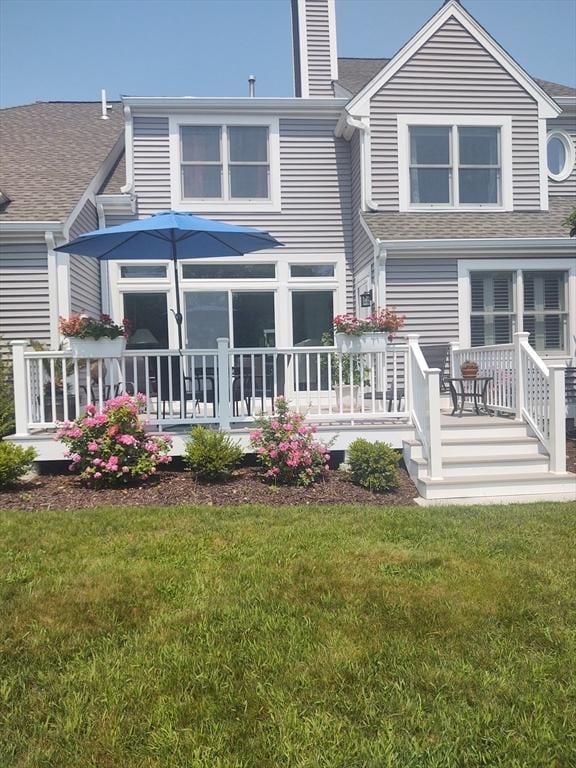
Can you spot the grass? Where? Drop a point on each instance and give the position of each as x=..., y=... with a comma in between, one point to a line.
x=317, y=638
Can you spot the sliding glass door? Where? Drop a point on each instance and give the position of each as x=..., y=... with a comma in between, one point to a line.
x=244, y=317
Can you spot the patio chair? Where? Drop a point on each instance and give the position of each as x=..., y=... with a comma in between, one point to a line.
x=256, y=382
x=436, y=356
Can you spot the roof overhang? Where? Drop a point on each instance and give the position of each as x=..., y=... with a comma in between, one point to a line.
x=479, y=244
x=16, y=227
x=328, y=107
x=360, y=104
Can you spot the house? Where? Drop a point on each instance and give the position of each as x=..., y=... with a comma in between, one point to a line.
x=437, y=181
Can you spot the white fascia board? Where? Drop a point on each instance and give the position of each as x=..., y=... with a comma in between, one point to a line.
x=99, y=179
x=502, y=243
x=288, y=105
x=547, y=107
x=34, y=227
x=117, y=203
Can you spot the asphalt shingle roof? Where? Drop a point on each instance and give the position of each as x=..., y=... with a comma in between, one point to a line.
x=49, y=153
x=354, y=74
x=457, y=225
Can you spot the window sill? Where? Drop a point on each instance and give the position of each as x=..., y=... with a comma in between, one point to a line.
x=454, y=209
x=223, y=206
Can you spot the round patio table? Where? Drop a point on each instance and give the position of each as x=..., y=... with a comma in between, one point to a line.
x=471, y=390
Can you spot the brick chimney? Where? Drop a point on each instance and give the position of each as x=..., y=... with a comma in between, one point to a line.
x=314, y=42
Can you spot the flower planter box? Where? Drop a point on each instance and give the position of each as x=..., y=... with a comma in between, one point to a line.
x=94, y=348
x=367, y=342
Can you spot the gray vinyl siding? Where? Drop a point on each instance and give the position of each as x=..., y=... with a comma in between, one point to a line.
x=565, y=123
x=453, y=74
x=315, y=181
x=85, y=271
x=318, y=48
x=426, y=291
x=151, y=164
x=363, y=247
x=24, y=294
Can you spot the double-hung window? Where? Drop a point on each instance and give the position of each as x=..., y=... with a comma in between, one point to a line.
x=454, y=164
x=226, y=164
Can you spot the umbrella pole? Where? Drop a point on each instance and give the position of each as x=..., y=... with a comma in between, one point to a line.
x=178, y=313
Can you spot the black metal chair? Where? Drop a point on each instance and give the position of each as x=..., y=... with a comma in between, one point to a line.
x=436, y=356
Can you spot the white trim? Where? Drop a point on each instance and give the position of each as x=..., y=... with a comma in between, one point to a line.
x=547, y=107
x=333, y=42
x=480, y=243
x=129, y=150
x=504, y=123
x=568, y=144
x=155, y=105
x=543, y=166
x=516, y=265
x=303, y=50
x=38, y=227
x=178, y=203
x=53, y=308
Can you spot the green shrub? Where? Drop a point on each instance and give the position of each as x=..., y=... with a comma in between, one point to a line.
x=373, y=465
x=211, y=455
x=6, y=394
x=14, y=462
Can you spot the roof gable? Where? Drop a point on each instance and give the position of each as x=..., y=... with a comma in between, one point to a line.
x=49, y=154
x=359, y=105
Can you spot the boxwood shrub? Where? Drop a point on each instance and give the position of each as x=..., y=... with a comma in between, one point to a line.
x=373, y=465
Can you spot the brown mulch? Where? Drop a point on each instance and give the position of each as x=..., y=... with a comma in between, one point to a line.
x=178, y=488
x=173, y=488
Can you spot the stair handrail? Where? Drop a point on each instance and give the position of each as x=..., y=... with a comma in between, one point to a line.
x=424, y=404
x=541, y=400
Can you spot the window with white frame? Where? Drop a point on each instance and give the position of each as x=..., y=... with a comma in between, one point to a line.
x=454, y=163
x=225, y=162
x=492, y=318
x=535, y=301
x=559, y=155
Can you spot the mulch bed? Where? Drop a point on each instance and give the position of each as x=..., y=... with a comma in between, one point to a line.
x=178, y=488
x=173, y=488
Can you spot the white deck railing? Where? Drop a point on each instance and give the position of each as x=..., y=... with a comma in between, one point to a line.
x=219, y=386
x=523, y=385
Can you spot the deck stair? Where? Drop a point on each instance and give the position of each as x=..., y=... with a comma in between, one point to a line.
x=487, y=456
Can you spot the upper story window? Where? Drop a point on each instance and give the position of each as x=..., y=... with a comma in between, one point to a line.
x=560, y=155
x=454, y=162
x=225, y=164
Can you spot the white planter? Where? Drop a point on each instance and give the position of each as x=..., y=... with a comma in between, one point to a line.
x=94, y=348
x=367, y=342
x=350, y=397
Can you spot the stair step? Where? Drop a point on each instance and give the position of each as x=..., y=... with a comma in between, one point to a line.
x=484, y=446
x=487, y=465
x=561, y=486
x=500, y=428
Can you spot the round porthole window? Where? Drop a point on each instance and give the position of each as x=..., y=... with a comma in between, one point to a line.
x=560, y=154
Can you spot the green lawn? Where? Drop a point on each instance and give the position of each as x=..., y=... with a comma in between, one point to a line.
x=325, y=638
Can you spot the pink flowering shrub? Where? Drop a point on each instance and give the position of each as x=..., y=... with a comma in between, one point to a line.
x=286, y=448
x=112, y=447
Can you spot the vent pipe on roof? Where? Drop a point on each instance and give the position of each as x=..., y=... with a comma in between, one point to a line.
x=105, y=107
x=252, y=86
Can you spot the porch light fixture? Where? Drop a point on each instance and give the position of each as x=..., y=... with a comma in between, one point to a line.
x=366, y=299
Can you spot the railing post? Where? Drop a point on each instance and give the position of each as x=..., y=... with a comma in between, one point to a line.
x=519, y=340
x=557, y=418
x=224, y=409
x=454, y=347
x=411, y=340
x=435, y=447
x=20, y=386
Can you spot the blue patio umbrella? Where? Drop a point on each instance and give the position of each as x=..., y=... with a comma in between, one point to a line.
x=170, y=235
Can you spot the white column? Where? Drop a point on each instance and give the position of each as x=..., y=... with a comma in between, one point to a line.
x=20, y=386
x=557, y=418
x=224, y=382
x=519, y=340
x=411, y=340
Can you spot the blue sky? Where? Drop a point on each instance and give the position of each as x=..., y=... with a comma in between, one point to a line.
x=69, y=49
